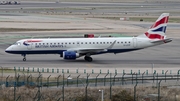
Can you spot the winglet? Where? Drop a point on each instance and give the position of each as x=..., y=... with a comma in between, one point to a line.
x=111, y=45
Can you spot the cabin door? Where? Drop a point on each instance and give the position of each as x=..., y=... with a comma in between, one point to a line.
x=135, y=42
x=29, y=46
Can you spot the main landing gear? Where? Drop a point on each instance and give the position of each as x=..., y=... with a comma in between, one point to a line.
x=88, y=58
x=24, y=55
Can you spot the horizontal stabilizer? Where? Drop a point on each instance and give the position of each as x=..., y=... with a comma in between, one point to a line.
x=162, y=41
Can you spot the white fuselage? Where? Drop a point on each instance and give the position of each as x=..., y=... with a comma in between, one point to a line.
x=58, y=45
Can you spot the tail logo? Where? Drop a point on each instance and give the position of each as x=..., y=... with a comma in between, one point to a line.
x=162, y=21
x=158, y=29
x=154, y=36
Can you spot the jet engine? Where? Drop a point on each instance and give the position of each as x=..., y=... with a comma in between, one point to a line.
x=70, y=55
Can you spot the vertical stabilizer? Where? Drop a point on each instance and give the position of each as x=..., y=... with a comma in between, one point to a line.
x=158, y=29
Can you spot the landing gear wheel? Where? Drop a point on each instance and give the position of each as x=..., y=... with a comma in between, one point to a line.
x=87, y=58
x=24, y=55
x=24, y=59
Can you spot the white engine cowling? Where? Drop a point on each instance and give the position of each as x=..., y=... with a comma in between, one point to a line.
x=70, y=55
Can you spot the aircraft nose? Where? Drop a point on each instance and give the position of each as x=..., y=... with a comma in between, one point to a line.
x=8, y=50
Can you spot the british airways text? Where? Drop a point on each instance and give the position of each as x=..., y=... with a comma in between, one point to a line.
x=49, y=46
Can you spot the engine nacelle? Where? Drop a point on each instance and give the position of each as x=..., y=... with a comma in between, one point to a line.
x=70, y=55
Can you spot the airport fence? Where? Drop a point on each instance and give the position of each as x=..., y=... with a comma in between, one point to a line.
x=17, y=82
x=91, y=71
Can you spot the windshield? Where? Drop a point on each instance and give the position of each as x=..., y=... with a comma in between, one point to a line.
x=17, y=43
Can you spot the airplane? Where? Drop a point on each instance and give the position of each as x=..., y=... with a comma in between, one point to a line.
x=73, y=48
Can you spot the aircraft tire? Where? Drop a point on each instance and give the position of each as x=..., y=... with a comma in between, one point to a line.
x=87, y=58
x=24, y=59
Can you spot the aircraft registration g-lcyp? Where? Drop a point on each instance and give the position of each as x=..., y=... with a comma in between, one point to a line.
x=72, y=48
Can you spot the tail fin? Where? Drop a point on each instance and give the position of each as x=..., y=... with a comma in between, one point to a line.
x=158, y=29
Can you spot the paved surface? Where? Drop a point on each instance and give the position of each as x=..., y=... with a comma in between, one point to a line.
x=134, y=8
x=164, y=57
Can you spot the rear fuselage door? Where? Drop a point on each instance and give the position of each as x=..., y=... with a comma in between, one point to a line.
x=134, y=42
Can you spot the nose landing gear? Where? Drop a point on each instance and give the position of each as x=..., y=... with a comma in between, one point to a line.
x=24, y=55
x=24, y=59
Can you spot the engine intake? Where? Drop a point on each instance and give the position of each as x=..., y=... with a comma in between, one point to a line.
x=70, y=55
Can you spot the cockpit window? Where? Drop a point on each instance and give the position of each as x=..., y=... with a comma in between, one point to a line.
x=17, y=43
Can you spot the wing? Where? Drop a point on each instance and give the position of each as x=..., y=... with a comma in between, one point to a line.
x=92, y=50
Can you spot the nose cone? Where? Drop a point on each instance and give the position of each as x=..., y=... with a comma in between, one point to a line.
x=8, y=50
